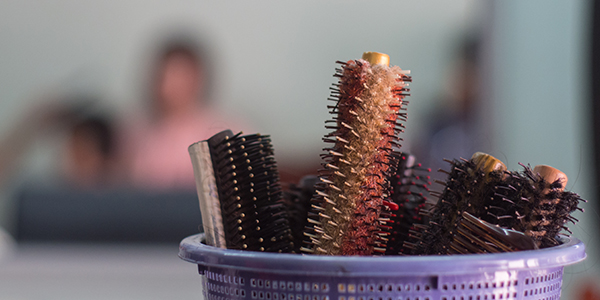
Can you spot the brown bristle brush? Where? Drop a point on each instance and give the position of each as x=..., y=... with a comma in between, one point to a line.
x=535, y=202
x=354, y=182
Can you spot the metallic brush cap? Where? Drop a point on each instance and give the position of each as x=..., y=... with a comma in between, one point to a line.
x=375, y=58
x=487, y=163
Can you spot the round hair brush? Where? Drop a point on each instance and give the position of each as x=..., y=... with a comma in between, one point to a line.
x=367, y=116
x=465, y=190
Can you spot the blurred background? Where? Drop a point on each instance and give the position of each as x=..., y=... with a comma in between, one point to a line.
x=99, y=101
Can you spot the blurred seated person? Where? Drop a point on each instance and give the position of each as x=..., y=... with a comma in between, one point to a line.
x=87, y=156
x=155, y=148
x=455, y=129
x=90, y=154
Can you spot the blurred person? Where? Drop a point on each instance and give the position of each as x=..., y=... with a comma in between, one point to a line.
x=88, y=151
x=454, y=127
x=155, y=147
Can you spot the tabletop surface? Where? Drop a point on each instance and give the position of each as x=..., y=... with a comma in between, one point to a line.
x=97, y=271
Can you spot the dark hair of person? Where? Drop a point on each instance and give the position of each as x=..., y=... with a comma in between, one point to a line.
x=190, y=49
x=100, y=130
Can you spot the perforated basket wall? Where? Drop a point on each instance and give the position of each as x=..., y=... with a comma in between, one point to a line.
x=244, y=275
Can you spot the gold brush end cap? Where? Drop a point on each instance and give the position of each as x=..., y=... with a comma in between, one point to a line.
x=487, y=163
x=375, y=58
x=551, y=174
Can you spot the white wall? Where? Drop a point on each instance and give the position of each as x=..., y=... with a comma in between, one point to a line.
x=276, y=58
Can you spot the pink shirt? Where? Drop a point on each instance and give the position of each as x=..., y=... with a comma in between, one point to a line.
x=158, y=152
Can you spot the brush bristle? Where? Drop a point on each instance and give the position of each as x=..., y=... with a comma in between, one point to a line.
x=474, y=235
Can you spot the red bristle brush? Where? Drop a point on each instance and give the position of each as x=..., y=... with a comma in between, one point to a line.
x=354, y=182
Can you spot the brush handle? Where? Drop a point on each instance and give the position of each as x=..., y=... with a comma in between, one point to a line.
x=208, y=196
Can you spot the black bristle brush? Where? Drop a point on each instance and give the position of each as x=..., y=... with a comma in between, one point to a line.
x=488, y=210
x=240, y=195
x=527, y=210
x=408, y=197
x=535, y=202
x=297, y=200
x=465, y=190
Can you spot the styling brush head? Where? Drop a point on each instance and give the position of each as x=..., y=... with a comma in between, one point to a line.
x=549, y=204
x=486, y=209
x=406, y=202
x=469, y=184
x=247, y=185
x=368, y=100
x=531, y=207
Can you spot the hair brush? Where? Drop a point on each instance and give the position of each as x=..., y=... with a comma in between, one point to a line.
x=529, y=209
x=239, y=192
x=297, y=200
x=494, y=210
x=465, y=190
x=354, y=182
x=534, y=202
x=408, y=197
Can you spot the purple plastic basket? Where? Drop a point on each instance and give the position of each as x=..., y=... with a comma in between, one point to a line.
x=235, y=275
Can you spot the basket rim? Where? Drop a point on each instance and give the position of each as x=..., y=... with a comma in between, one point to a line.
x=192, y=250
